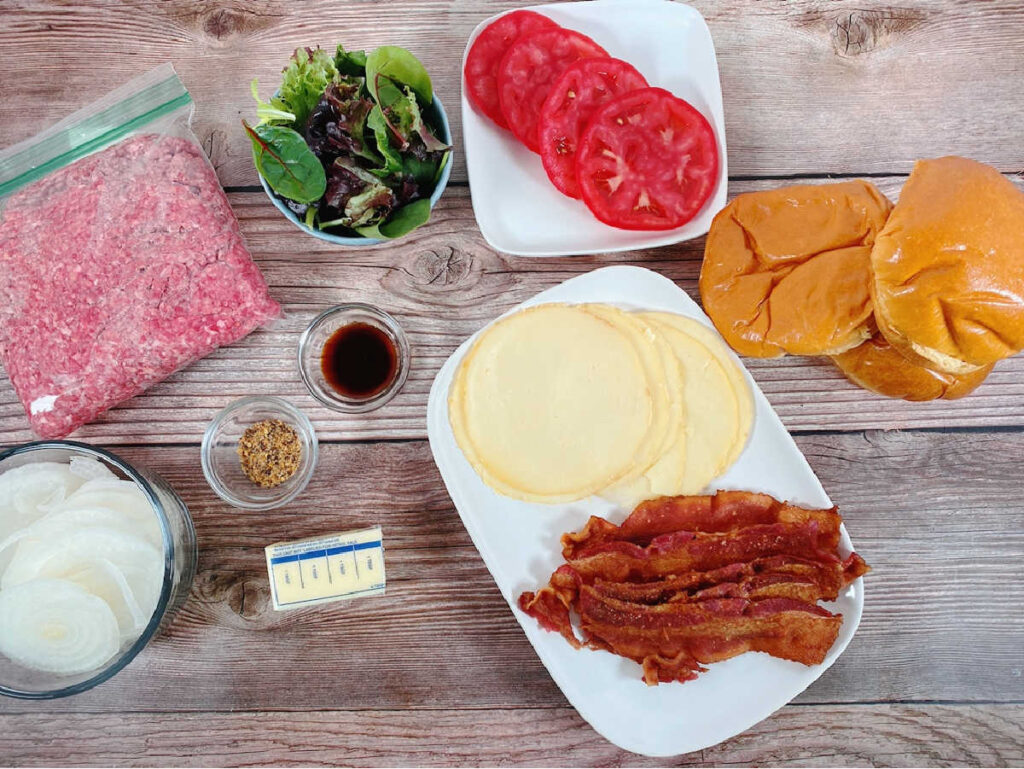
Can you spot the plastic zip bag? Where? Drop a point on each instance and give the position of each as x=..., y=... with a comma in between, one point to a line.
x=120, y=258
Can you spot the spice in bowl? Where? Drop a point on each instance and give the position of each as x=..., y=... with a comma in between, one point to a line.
x=270, y=452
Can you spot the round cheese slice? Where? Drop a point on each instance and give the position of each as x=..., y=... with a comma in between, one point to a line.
x=718, y=399
x=551, y=404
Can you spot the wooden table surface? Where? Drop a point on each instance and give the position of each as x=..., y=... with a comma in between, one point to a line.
x=438, y=672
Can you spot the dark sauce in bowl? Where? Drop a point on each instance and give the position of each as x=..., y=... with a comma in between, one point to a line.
x=359, y=361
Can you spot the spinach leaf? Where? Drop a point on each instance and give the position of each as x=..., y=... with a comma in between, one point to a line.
x=377, y=123
x=352, y=63
x=403, y=221
x=307, y=75
x=285, y=160
x=390, y=61
x=275, y=111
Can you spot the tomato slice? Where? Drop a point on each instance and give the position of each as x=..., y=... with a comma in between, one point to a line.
x=530, y=67
x=490, y=46
x=583, y=87
x=647, y=161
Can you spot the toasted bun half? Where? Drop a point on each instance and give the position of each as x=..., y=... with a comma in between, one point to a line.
x=788, y=270
x=877, y=366
x=949, y=267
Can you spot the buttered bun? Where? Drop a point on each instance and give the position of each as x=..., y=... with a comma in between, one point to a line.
x=948, y=267
x=788, y=270
x=877, y=366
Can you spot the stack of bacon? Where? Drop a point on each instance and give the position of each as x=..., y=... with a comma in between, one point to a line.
x=687, y=581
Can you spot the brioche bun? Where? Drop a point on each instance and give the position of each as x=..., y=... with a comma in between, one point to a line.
x=877, y=366
x=788, y=270
x=948, y=267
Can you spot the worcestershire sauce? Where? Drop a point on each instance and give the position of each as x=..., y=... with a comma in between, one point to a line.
x=359, y=360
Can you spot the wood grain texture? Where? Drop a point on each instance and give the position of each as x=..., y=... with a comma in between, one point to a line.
x=443, y=283
x=889, y=735
x=940, y=619
x=809, y=87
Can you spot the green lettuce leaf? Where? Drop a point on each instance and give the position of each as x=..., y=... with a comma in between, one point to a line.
x=307, y=75
x=403, y=221
x=352, y=63
x=275, y=111
x=285, y=160
x=397, y=64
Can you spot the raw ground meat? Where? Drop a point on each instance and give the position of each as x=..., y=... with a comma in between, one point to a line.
x=116, y=271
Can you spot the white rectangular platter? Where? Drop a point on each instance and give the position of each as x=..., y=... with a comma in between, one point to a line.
x=519, y=543
x=518, y=209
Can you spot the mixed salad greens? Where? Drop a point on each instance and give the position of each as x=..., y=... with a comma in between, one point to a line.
x=345, y=142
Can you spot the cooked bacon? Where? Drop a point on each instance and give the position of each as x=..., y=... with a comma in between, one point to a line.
x=723, y=512
x=685, y=551
x=688, y=581
x=671, y=641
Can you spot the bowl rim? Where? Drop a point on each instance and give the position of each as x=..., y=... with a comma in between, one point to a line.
x=340, y=240
x=165, y=590
x=206, y=449
x=355, y=406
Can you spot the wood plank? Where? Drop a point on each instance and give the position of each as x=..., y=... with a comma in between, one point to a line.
x=443, y=284
x=885, y=735
x=878, y=87
x=939, y=517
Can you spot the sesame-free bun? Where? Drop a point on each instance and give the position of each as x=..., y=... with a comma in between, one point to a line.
x=788, y=270
x=877, y=366
x=949, y=267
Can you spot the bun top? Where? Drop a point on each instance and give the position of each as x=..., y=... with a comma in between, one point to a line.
x=788, y=270
x=949, y=267
x=877, y=366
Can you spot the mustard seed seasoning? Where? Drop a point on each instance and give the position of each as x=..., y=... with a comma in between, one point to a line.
x=270, y=452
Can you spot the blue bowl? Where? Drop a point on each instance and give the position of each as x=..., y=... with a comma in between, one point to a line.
x=435, y=115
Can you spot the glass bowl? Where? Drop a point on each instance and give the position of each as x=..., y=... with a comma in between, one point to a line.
x=219, y=453
x=311, y=346
x=179, y=553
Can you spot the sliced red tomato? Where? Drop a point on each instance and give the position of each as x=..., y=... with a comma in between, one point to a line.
x=490, y=46
x=583, y=87
x=647, y=161
x=530, y=67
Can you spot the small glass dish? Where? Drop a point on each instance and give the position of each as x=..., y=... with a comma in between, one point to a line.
x=223, y=468
x=311, y=346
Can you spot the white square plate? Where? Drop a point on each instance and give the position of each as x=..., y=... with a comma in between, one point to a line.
x=519, y=543
x=518, y=209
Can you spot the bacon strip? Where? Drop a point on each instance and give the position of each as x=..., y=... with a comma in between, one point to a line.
x=686, y=552
x=723, y=512
x=671, y=641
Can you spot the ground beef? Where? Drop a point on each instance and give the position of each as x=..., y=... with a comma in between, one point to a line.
x=116, y=271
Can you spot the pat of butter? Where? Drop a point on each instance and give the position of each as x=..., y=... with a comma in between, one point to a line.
x=328, y=568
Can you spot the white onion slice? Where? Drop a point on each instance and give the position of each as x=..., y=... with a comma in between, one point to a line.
x=89, y=469
x=140, y=562
x=56, y=626
x=117, y=495
x=102, y=578
x=27, y=492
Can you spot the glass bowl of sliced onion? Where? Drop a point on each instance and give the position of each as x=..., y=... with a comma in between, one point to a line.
x=95, y=556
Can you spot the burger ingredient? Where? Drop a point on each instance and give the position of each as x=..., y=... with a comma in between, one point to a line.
x=528, y=71
x=270, y=452
x=582, y=88
x=346, y=142
x=878, y=366
x=56, y=626
x=81, y=565
x=558, y=402
x=788, y=270
x=688, y=581
x=359, y=360
x=484, y=57
x=647, y=161
x=949, y=267
x=148, y=274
